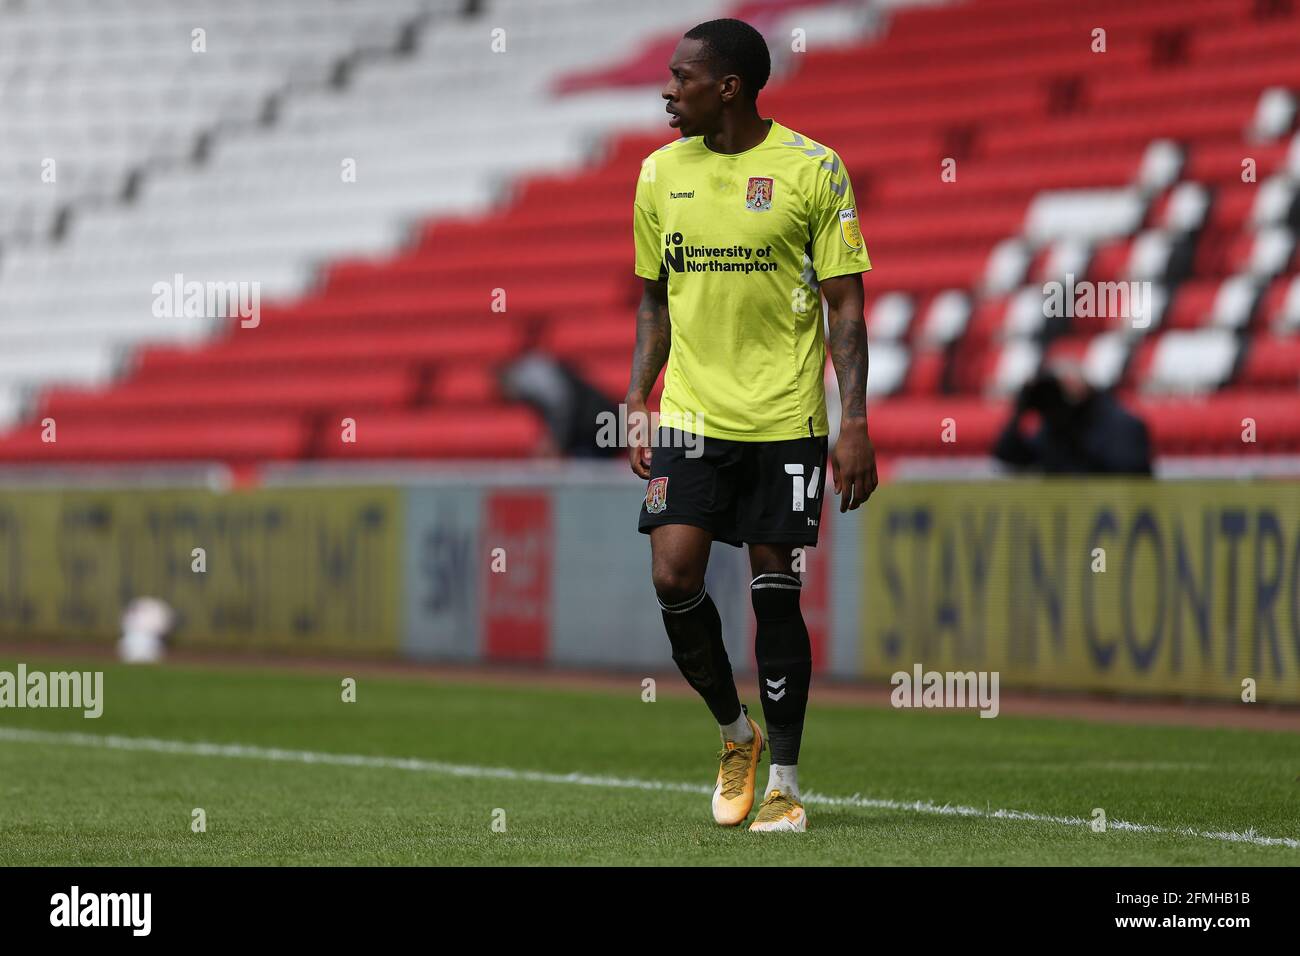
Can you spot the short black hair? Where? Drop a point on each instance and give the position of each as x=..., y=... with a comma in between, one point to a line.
x=736, y=47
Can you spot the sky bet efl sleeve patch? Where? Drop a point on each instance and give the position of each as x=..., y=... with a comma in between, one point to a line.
x=849, y=229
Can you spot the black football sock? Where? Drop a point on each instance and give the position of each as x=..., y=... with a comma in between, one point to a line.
x=784, y=655
x=695, y=631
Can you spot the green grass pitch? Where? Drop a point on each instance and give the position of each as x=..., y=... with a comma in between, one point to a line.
x=67, y=797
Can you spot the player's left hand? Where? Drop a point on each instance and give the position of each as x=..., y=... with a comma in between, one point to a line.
x=853, y=464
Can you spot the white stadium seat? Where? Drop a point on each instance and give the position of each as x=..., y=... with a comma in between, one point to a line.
x=887, y=369
x=1105, y=358
x=946, y=317
x=889, y=316
x=1093, y=215
x=1189, y=362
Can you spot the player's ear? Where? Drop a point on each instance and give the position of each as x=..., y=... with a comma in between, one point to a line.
x=729, y=87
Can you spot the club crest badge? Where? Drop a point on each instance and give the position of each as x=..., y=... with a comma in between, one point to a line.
x=758, y=197
x=656, y=495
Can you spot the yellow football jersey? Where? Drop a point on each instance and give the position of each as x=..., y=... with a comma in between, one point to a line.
x=742, y=240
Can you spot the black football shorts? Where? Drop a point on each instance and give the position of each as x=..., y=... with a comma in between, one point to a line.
x=742, y=491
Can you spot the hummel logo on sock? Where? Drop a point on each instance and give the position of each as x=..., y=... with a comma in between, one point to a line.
x=774, y=684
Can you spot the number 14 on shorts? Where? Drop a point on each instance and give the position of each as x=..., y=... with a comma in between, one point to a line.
x=814, y=483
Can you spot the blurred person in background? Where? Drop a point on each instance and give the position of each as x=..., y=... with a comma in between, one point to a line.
x=1081, y=430
x=570, y=406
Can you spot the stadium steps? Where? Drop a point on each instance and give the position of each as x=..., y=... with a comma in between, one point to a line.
x=1155, y=127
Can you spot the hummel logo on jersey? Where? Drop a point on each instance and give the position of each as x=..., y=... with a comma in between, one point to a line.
x=686, y=195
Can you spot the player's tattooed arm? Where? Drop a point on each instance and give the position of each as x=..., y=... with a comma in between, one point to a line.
x=847, y=341
x=853, y=463
x=653, y=342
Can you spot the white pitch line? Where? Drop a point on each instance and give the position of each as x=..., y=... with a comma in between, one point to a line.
x=276, y=754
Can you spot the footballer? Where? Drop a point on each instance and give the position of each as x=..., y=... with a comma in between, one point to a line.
x=741, y=225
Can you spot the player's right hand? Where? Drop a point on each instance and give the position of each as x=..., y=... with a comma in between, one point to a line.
x=640, y=460
x=853, y=465
x=638, y=449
